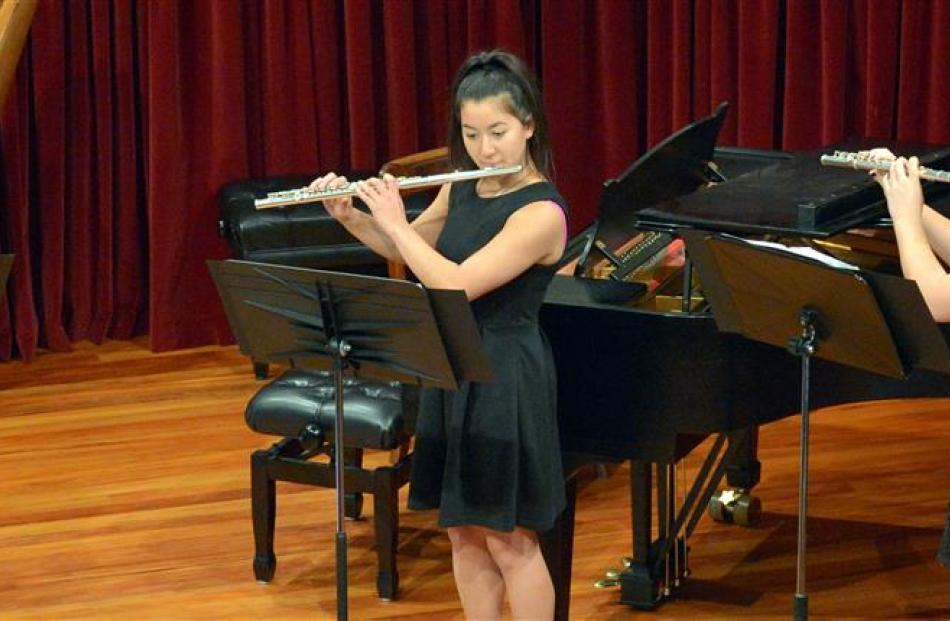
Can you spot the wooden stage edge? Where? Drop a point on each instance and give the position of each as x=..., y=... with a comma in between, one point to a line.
x=124, y=476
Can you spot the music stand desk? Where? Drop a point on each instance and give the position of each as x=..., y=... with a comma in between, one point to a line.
x=869, y=321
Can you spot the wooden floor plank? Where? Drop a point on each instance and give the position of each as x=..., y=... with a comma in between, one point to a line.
x=124, y=480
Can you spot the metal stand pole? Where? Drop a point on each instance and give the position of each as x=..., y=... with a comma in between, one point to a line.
x=338, y=349
x=805, y=345
x=341, y=563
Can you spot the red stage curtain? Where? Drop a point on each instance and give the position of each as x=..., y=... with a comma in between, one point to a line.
x=128, y=115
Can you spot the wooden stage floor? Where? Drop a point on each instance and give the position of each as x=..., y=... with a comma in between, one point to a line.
x=124, y=479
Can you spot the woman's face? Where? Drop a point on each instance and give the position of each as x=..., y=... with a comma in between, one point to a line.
x=492, y=135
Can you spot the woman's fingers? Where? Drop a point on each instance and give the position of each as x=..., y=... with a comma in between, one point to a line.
x=899, y=169
x=363, y=191
x=337, y=207
x=327, y=182
x=320, y=183
x=375, y=187
x=879, y=153
x=913, y=166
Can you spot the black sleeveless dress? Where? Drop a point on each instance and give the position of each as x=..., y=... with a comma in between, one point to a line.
x=488, y=454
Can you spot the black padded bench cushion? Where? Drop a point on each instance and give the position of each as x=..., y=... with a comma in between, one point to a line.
x=377, y=415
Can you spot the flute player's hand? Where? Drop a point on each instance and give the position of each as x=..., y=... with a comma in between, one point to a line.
x=340, y=209
x=880, y=153
x=901, y=185
x=384, y=202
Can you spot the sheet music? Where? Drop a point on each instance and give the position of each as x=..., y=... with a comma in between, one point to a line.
x=805, y=251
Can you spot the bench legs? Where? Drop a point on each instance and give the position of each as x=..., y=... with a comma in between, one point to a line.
x=386, y=524
x=352, y=501
x=263, y=511
x=281, y=463
x=261, y=369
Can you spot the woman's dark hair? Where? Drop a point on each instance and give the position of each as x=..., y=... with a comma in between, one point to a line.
x=495, y=73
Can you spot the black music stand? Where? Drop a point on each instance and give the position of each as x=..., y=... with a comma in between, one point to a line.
x=6, y=262
x=869, y=321
x=368, y=326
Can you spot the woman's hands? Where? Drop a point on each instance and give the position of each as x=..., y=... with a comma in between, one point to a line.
x=901, y=185
x=921, y=233
x=384, y=202
x=380, y=195
x=339, y=208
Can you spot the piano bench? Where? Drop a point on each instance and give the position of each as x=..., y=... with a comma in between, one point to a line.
x=300, y=406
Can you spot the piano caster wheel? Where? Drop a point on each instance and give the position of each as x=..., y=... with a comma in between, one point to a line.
x=607, y=583
x=717, y=509
x=612, y=576
x=747, y=511
x=735, y=507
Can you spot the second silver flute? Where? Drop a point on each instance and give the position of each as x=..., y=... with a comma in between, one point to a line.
x=850, y=159
x=300, y=196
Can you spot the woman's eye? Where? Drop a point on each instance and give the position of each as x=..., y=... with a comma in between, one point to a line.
x=498, y=134
x=470, y=136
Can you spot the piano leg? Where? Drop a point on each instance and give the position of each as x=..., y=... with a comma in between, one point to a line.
x=743, y=469
x=656, y=565
x=557, y=546
x=737, y=504
x=660, y=565
x=639, y=588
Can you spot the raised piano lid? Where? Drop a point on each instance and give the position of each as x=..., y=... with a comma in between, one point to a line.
x=796, y=196
x=677, y=165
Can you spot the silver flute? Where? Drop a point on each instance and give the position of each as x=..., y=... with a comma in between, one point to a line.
x=305, y=195
x=858, y=161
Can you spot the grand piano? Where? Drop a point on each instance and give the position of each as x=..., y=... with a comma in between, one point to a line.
x=643, y=372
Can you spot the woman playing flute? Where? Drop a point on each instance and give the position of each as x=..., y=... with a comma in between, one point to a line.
x=923, y=235
x=486, y=455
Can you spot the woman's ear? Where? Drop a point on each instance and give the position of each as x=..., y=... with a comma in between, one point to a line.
x=529, y=127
